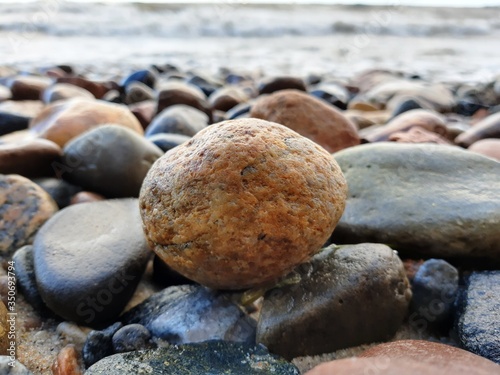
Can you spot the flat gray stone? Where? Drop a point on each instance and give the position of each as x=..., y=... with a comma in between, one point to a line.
x=207, y=358
x=434, y=200
x=346, y=296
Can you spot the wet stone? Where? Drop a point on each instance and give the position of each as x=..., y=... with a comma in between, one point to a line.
x=211, y=357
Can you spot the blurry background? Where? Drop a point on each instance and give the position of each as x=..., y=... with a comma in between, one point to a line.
x=451, y=41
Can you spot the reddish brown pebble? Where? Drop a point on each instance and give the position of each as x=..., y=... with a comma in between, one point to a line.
x=488, y=147
x=63, y=121
x=422, y=118
x=29, y=158
x=395, y=366
x=98, y=89
x=308, y=116
x=85, y=197
x=242, y=203
x=418, y=134
x=66, y=362
x=445, y=358
x=28, y=87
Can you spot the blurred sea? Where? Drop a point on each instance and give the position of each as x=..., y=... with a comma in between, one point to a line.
x=451, y=43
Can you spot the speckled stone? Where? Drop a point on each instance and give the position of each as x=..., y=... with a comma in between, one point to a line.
x=211, y=357
x=24, y=207
x=63, y=121
x=478, y=316
x=4, y=330
x=308, y=116
x=241, y=204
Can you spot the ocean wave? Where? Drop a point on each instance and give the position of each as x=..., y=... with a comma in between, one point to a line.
x=231, y=19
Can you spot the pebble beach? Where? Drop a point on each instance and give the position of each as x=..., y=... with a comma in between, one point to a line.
x=249, y=189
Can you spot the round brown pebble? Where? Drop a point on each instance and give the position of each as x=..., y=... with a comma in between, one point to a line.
x=66, y=362
x=242, y=203
x=309, y=116
x=24, y=207
x=62, y=121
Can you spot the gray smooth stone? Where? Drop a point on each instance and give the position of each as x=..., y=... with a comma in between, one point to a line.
x=430, y=200
x=478, y=323
x=207, y=358
x=89, y=259
x=110, y=160
x=346, y=296
x=192, y=313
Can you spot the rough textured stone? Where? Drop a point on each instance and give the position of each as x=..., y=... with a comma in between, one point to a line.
x=241, y=204
x=424, y=119
x=182, y=93
x=178, y=119
x=130, y=338
x=192, y=313
x=437, y=201
x=66, y=362
x=345, y=297
x=488, y=147
x=309, y=116
x=61, y=122
x=486, y=128
x=31, y=158
x=167, y=142
x=478, y=320
x=109, y=160
x=447, y=359
x=89, y=259
x=435, y=288
x=212, y=357
x=17, y=369
x=24, y=207
x=274, y=84
x=4, y=330
x=64, y=91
